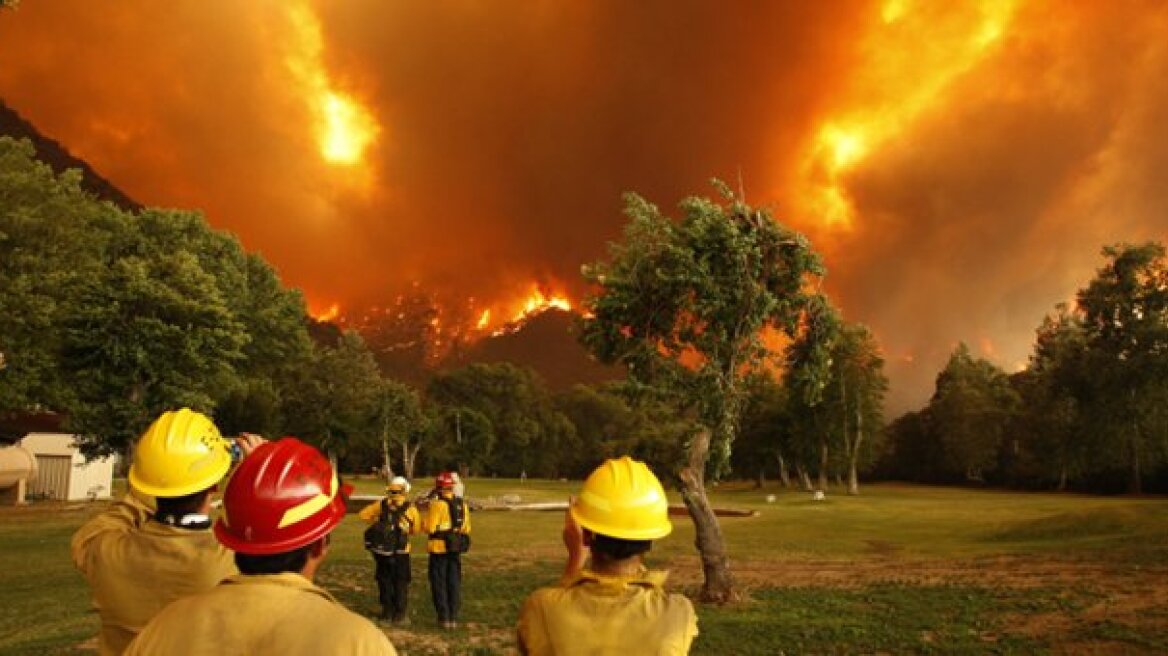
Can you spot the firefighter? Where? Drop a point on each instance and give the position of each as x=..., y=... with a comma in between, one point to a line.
x=142, y=553
x=392, y=521
x=448, y=525
x=612, y=604
x=279, y=508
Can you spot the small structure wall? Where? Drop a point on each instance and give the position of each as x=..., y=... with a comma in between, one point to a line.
x=64, y=473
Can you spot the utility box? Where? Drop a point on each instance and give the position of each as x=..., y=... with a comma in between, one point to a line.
x=63, y=474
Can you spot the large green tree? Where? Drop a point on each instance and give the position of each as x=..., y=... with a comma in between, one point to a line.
x=684, y=304
x=334, y=399
x=1053, y=389
x=971, y=410
x=402, y=424
x=1125, y=319
x=52, y=239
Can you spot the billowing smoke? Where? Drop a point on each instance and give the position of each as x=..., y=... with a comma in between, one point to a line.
x=960, y=166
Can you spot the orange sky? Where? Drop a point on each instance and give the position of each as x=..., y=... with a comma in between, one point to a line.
x=959, y=164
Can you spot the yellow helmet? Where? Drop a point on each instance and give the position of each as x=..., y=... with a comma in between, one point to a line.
x=623, y=499
x=181, y=453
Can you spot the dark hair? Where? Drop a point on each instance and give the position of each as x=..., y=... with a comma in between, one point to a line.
x=288, y=561
x=618, y=549
x=184, y=505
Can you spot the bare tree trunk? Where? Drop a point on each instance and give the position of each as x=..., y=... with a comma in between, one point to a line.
x=804, y=477
x=759, y=479
x=719, y=584
x=1062, y=484
x=784, y=476
x=385, y=453
x=822, y=465
x=854, y=456
x=1136, y=484
x=407, y=464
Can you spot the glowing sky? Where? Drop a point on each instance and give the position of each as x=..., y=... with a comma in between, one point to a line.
x=959, y=163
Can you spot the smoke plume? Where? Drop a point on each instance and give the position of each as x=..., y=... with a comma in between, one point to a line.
x=959, y=164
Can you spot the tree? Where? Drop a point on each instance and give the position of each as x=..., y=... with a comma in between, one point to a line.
x=1125, y=319
x=52, y=239
x=809, y=375
x=149, y=334
x=529, y=435
x=970, y=409
x=857, y=394
x=402, y=424
x=1053, y=388
x=333, y=400
x=684, y=305
x=463, y=438
x=764, y=442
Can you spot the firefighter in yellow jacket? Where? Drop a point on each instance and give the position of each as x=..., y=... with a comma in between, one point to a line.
x=137, y=559
x=279, y=508
x=448, y=523
x=614, y=605
x=392, y=521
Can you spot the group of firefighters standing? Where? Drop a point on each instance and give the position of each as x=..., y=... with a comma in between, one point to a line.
x=166, y=579
x=393, y=520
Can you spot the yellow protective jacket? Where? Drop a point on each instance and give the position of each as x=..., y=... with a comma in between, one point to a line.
x=438, y=519
x=592, y=613
x=254, y=615
x=135, y=567
x=411, y=520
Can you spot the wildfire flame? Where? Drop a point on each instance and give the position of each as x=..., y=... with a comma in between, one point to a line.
x=344, y=128
x=911, y=58
x=539, y=301
x=502, y=317
x=329, y=314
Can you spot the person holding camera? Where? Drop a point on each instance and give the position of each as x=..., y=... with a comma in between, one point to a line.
x=611, y=604
x=392, y=521
x=448, y=524
x=280, y=508
x=155, y=545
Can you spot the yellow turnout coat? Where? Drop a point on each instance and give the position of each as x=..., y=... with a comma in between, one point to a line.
x=596, y=614
x=256, y=615
x=135, y=567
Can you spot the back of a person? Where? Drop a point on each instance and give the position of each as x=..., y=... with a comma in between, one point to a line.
x=592, y=618
x=257, y=615
x=138, y=574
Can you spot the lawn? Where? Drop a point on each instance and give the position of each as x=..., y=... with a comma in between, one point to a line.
x=899, y=569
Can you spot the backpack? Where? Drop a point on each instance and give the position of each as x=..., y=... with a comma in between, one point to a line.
x=386, y=536
x=456, y=540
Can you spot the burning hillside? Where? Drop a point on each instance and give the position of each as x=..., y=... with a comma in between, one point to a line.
x=959, y=164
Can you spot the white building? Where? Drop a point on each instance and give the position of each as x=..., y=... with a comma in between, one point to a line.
x=63, y=473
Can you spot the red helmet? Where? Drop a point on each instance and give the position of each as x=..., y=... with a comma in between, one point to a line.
x=283, y=496
x=445, y=479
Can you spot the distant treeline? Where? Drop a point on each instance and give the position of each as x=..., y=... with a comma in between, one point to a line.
x=1089, y=412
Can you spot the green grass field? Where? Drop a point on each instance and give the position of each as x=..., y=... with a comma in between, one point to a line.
x=900, y=569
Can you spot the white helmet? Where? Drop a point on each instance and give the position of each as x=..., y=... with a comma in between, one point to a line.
x=400, y=482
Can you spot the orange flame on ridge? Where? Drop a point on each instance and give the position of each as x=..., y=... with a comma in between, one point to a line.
x=330, y=314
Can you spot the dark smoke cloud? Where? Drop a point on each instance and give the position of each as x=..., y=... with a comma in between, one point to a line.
x=509, y=131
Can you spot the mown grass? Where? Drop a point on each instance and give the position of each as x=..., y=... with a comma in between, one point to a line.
x=899, y=569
